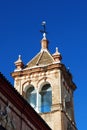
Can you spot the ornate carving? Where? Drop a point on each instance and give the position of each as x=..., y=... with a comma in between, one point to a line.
x=6, y=119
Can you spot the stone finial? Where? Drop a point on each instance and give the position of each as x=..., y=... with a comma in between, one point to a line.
x=19, y=57
x=57, y=52
x=57, y=56
x=19, y=63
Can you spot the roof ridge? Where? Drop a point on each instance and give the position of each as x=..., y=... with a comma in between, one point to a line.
x=46, y=52
x=50, y=55
x=33, y=58
x=39, y=57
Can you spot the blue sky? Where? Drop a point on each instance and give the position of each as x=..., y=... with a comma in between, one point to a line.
x=20, y=22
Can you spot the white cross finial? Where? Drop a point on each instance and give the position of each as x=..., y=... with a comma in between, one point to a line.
x=19, y=57
x=44, y=35
x=56, y=49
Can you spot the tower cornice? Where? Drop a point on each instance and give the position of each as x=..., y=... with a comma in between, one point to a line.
x=65, y=73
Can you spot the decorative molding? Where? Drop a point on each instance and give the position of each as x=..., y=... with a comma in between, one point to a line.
x=6, y=119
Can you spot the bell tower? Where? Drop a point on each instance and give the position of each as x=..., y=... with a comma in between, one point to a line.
x=48, y=87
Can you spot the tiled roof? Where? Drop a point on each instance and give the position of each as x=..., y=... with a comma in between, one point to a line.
x=42, y=58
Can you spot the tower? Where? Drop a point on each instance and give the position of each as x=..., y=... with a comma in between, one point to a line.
x=48, y=87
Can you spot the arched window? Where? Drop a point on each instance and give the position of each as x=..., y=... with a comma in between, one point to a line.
x=31, y=96
x=46, y=98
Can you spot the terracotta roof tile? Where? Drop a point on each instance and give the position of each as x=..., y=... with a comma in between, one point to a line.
x=43, y=58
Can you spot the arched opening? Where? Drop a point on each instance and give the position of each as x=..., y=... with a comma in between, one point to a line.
x=46, y=98
x=31, y=96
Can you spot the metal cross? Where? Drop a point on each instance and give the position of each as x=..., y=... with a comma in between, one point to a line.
x=44, y=28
